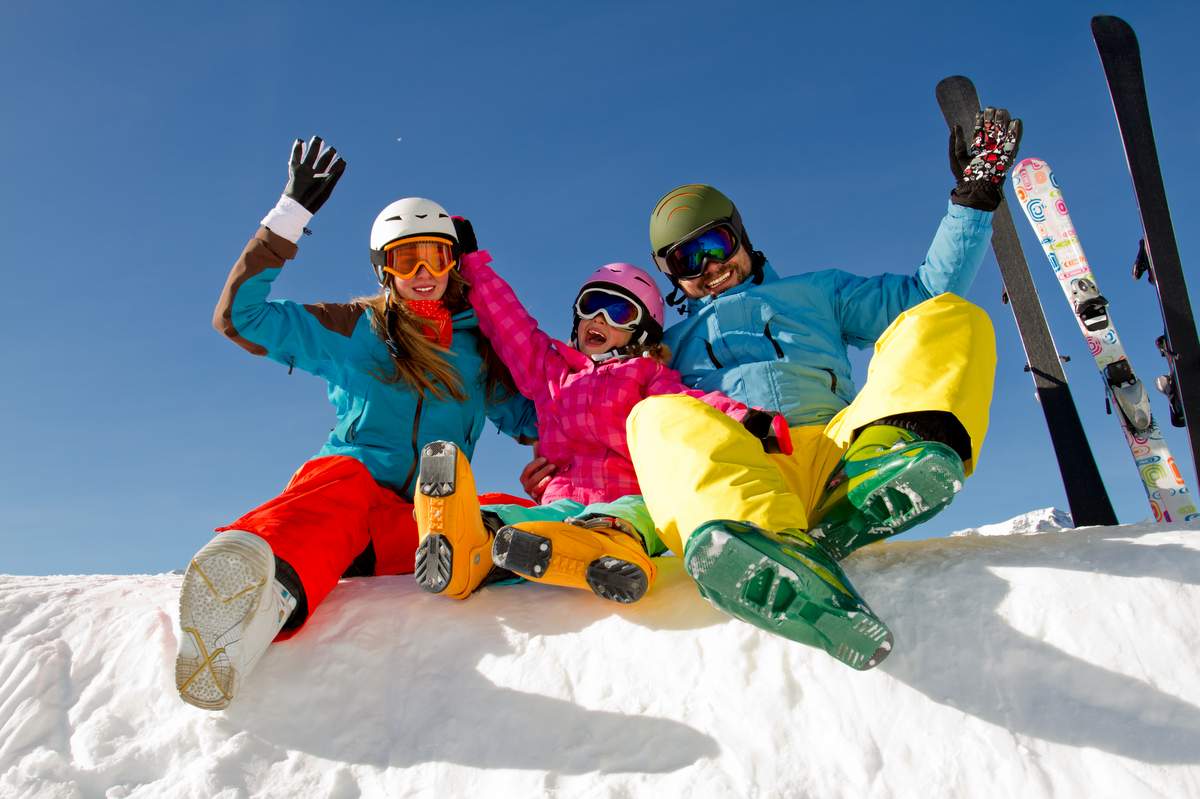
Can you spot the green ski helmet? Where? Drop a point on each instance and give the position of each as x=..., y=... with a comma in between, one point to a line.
x=687, y=211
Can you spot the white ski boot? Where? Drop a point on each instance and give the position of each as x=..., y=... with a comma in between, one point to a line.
x=230, y=609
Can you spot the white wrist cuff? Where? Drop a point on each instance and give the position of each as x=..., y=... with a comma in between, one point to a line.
x=287, y=219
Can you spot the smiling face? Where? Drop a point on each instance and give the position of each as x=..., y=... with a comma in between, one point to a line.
x=596, y=336
x=718, y=277
x=421, y=286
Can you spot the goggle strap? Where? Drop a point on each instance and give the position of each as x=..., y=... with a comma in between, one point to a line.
x=391, y=245
x=676, y=299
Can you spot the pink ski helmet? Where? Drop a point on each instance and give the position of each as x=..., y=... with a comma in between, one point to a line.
x=635, y=285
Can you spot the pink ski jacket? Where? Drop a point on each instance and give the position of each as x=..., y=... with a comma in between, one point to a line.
x=581, y=405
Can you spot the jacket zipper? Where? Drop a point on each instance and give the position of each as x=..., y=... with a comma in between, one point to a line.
x=352, y=429
x=711, y=356
x=412, y=470
x=774, y=343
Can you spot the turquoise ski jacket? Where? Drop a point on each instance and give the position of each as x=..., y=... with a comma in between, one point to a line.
x=782, y=343
x=383, y=425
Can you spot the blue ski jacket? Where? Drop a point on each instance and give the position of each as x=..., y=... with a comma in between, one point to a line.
x=782, y=343
x=383, y=425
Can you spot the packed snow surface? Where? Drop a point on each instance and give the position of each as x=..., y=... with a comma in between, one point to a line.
x=1061, y=664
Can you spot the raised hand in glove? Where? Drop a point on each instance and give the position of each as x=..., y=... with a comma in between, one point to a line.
x=313, y=171
x=982, y=167
x=769, y=428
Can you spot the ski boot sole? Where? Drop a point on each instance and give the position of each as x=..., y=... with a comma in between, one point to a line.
x=531, y=556
x=617, y=580
x=222, y=589
x=906, y=499
x=434, y=563
x=777, y=588
x=435, y=554
x=438, y=484
x=521, y=552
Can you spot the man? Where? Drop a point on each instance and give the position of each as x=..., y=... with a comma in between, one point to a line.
x=762, y=533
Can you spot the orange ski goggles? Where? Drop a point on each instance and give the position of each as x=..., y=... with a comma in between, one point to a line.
x=405, y=258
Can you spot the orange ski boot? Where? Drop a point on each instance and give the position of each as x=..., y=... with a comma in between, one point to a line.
x=454, y=553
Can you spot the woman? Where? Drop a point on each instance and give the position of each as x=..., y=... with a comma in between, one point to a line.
x=405, y=367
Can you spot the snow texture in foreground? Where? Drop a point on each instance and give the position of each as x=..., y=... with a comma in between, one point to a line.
x=1036, y=665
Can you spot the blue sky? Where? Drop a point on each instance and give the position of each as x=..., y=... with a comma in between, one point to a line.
x=143, y=143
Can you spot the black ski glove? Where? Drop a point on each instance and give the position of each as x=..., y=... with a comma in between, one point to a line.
x=982, y=168
x=313, y=171
x=769, y=428
x=465, y=234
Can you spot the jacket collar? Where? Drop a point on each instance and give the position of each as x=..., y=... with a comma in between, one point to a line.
x=576, y=360
x=464, y=320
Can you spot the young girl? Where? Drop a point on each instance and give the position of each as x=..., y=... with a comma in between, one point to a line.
x=405, y=367
x=592, y=530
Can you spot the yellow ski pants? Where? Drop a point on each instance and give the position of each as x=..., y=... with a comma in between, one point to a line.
x=695, y=464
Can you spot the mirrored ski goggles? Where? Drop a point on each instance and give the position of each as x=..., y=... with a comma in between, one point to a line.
x=687, y=259
x=405, y=258
x=620, y=312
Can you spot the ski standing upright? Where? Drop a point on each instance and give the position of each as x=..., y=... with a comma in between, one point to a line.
x=1086, y=495
x=1158, y=254
x=1044, y=206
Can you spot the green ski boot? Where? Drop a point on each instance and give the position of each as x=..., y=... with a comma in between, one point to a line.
x=889, y=481
x=785, y=584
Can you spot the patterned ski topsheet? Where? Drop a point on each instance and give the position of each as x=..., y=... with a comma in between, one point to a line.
x=1044, y=206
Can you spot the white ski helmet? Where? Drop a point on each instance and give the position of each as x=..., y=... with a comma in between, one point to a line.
x=412, y=216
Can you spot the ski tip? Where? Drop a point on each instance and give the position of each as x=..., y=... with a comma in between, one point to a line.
x=1031, y=163
x=1109, y=22
x=958, y=101
x=1109, y=27
x=953, y=82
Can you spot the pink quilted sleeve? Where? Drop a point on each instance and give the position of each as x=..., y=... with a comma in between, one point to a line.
x=668, y=381
x=525, y=349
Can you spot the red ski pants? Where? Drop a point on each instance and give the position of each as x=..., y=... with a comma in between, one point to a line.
x=331, y=510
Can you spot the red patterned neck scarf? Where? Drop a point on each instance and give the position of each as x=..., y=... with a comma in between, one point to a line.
x=437, y=328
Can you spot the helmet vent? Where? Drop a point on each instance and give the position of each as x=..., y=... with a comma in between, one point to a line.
x=408, y=217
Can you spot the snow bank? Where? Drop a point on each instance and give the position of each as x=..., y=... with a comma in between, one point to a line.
x=1034, y=665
